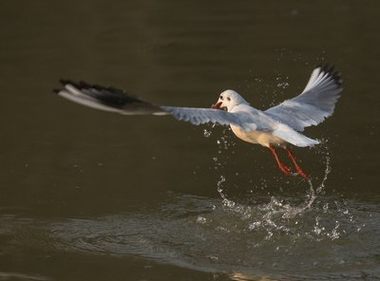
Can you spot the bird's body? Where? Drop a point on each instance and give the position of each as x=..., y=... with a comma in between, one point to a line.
x=275, y=127
x=257, y=137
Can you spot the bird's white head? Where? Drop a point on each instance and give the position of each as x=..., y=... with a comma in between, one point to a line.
x=228, y=99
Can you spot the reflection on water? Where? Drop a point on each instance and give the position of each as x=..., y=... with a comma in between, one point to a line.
x=260, y=236
x=20, y=276
x=326, y=240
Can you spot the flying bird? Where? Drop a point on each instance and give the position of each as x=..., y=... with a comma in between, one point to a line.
x=274, y=128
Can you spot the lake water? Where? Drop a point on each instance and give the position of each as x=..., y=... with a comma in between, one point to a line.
x=88, y=195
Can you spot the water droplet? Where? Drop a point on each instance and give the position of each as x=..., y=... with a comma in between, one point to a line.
x=207, y=133
x=201, y=220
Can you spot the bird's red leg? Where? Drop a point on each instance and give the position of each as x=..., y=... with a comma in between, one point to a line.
x=298, y=168
x=285, y=169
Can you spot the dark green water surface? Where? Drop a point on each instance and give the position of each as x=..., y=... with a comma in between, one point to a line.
x=88, y=195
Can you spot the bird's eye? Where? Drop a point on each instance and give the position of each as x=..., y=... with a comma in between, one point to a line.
x=228, y=98
x=221, y=97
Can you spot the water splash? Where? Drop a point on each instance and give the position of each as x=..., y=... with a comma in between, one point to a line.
x=226, y=202
x=305, y=218
x=207, y=133
x=225, y=143
x=309, y=216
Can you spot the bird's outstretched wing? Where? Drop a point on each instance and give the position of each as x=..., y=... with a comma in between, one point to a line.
x=314, y=104
x=116, y=100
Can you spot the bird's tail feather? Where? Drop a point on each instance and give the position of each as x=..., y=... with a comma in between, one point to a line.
x=291, y=136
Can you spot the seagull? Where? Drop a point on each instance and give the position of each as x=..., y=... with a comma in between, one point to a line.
x=275, y=128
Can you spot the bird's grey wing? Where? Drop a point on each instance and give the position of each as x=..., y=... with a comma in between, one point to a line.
x=199, y=116
x=105, y=98
x=314, y=104
x=115, y=100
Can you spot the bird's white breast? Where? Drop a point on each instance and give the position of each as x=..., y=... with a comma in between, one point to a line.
x=257, y=137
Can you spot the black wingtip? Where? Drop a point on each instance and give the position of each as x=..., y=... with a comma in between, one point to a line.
x=330, y=70
x=83, y=85
x=56, y=91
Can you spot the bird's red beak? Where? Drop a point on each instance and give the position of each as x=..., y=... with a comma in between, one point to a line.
x=217, y=105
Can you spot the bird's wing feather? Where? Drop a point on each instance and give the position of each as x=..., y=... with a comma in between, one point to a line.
x=314, y=104
x=199, y=116
x=115, y=100
x=106, y=98
x=289, y=135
